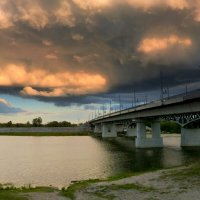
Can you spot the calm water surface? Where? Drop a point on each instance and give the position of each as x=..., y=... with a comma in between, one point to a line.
x=59, y=160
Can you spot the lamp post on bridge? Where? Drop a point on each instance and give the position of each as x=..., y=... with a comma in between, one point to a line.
x=134, y=98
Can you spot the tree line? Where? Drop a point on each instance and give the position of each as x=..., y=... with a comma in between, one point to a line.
x=37, y=122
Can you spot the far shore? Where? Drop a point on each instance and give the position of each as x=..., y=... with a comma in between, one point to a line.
x=46, y=134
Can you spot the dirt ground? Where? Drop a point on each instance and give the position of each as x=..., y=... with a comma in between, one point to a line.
x=159, y=185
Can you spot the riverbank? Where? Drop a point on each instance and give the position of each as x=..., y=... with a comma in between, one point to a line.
x=86, y=133
x=181, y=183
x=45, y=131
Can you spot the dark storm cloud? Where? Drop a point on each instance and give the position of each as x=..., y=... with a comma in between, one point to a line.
x=76, y=52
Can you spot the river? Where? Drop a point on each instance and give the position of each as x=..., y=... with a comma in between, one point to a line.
x=56, y=161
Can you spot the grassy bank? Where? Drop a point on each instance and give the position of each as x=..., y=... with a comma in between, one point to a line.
x=46, y=134
x=9, y=192
x=189, y=174
x=183, y=175
x=80, y=185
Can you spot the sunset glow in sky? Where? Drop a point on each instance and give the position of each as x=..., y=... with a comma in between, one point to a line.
x=63, y=59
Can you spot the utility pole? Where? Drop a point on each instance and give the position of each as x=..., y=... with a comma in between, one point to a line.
x=110, y=106
x=186, y=90
x=92, y=115
x=168, y=92
x=95, y=113
x=119, y=103
x=146, y=98
x=161, y=85
x=134, y=98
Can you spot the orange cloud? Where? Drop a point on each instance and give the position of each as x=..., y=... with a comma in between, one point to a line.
x=148, y=4
x=197, y=13
x=47, y=43
x=64, y=14
x=33, y=14
x=59, y=83
x=77, y=37
x=151, y=45
x=5, y=19
x=51, y=56
x=91, y=4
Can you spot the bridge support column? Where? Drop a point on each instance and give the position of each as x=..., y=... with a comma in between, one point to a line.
x=190, y=137
x=156, y=134
x=131, y=131
x=119, y=128
x=109, y=130
x=97, y=128
x=142, y=141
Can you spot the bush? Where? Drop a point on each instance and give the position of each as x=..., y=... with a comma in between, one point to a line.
x=170, y=127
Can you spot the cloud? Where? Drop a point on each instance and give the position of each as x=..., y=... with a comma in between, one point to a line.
x=149, y=4
x=5, y=21
x=64, y=15
x=3, y=101
x=152, y=45
x=35, y=14
x=77, y=37
x=47, y=43
x=61, y=83
x=61, y=51
x=7, y=108
x=51, y=56
x=32, y=13
x=91, y=5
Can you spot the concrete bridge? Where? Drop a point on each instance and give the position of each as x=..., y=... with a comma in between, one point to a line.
x=182, y=109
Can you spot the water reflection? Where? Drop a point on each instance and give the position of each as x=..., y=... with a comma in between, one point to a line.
x=59, y=160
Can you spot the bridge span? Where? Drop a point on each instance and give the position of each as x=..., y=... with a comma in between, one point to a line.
x=182, y=109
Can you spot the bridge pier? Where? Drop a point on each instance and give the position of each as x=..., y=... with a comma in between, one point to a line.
x=142, y=141
x=131, y=131
x=119, y=128
x=109, y=130
x=97, y=128
x=190, y=137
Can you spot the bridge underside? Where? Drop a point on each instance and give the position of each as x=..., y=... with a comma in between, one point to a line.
x=133, y=129
x=190, y=131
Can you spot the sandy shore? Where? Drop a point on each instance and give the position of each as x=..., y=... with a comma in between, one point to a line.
x=181, y=183
x=174, y=184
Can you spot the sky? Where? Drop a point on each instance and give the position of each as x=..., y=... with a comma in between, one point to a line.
x=69, y=59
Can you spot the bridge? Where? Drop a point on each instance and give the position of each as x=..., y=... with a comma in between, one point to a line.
x=182, y=109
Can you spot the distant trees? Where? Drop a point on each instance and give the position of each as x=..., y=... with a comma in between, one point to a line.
x=170, y=127
x=60, y=124
x=9, y=124
x=37, y=122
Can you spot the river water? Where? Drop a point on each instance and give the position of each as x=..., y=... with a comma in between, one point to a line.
x=56, y=161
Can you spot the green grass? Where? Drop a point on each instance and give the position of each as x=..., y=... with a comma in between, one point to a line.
x=192, y=171
x=9, y=192
x=11, y=195
x=77, y=186
x=80, y=185
x=47, y=134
